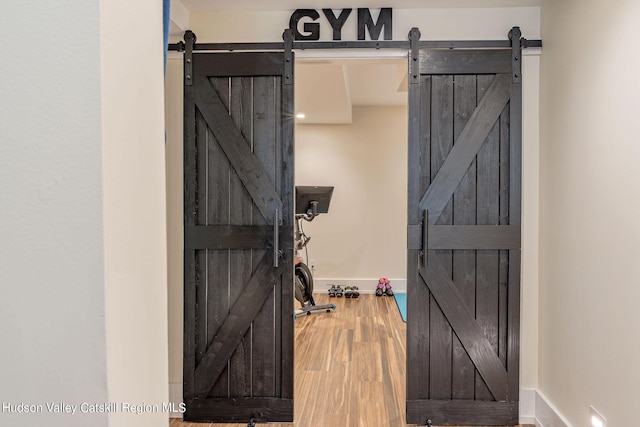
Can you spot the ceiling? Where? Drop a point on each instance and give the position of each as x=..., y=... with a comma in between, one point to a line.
x=327, y=89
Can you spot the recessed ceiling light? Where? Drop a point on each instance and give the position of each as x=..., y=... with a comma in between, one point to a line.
x=300, y=116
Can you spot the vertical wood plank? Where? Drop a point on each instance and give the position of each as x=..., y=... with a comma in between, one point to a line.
x=419, y=166
x=263, y=338
x=464, y=213
x=240, y=108
x=416, y=150
x=504, y=220
x=419, y=177
x=216, y=192
x=201, y=278
x=423, y=152
x=487, y=280
x=515, y=135
x=423, y=296
x=277, y=291
x=440, y=349
x=190, y=185
x=418, y=331
x=513, y=326
x=286, y=166
x=256, y=217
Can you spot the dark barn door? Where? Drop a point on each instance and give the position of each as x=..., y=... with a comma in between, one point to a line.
x=238, y=343
x=464, y=237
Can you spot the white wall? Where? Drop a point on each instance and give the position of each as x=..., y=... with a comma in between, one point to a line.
x=52, y=302
x=435, y=24
x=135, y=239
x=363, y=237
x=530, y=220
x=175, y=234
x=589, y=208
x=82, y=248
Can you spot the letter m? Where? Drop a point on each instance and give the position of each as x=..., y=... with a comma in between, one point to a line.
x=366, y=21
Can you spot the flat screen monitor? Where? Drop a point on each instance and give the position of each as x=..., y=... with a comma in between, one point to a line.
x=307, y=194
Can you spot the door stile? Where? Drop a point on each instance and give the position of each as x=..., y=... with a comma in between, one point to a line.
x=190, y=209
x=418, y=160
x=286, y=234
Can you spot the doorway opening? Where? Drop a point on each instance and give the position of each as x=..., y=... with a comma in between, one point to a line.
x=350, y=364
x=354, y=137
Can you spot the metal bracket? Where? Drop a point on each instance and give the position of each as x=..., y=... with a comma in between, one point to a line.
x=516, y=55
x=287, y=36
x=525, y=43
x=414, y=56
x=190, y=41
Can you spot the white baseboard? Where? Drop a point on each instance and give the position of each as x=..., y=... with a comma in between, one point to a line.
x=536, y=409
x=175, y=397
x=527, y=406
x=548, y=415
x=365, y=286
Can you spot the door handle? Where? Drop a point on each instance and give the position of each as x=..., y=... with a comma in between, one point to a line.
x=276, y=239
x=425, y=236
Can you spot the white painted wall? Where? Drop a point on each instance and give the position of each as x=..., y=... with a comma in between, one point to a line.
x=435, y=24
x=363, y=237
x=135, y=248
x=175, y=234
x=52, y=302
x=530, y=220
x=589, y=208
x=82, y=246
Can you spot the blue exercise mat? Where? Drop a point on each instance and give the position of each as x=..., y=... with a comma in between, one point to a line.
x=401, y=301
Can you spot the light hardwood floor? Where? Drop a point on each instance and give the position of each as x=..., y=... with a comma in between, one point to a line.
x=349, y=366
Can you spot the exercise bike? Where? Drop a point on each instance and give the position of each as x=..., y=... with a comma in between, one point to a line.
x=303, y=287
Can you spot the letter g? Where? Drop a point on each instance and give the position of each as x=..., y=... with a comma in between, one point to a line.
x=312, y=29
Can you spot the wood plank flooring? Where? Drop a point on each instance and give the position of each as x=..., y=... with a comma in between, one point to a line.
x=349, y=366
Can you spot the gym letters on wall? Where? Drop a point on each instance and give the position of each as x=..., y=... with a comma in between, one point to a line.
x=311, y=30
